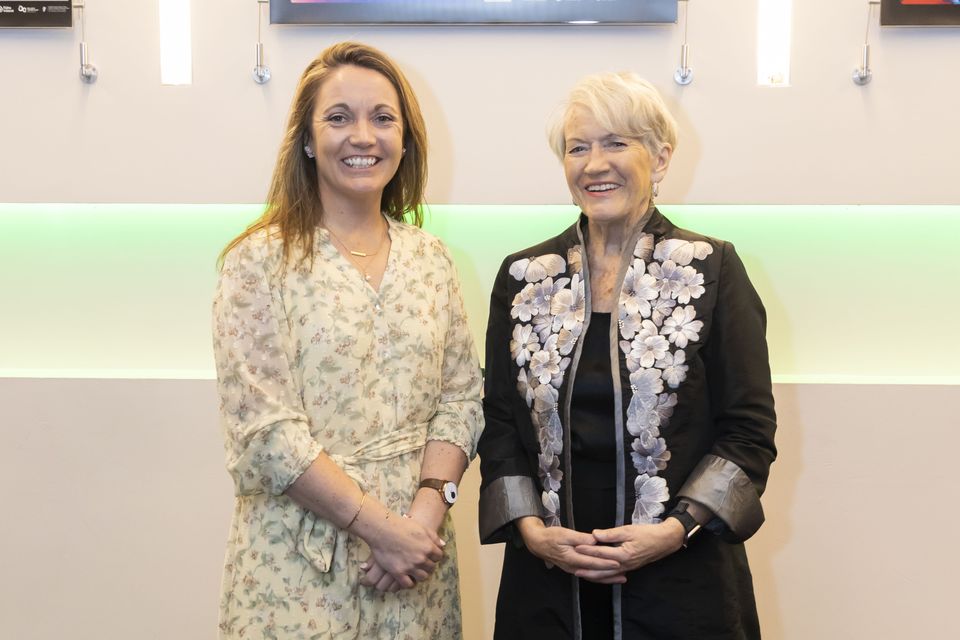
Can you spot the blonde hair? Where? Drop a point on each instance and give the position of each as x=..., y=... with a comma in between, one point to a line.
x=624, y=104
x=293, y=201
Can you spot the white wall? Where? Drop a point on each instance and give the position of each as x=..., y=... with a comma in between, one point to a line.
x=486, y=93
x=115, y=500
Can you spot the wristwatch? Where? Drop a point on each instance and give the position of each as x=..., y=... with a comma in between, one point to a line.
x=690, y=525
x=447, y=489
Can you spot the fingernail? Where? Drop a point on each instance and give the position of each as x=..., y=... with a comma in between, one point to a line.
x=364, y=566
x=443, y=543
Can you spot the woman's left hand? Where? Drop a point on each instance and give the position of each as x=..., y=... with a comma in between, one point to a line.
x=633, y=546
x=375, y=576
x=428, y=509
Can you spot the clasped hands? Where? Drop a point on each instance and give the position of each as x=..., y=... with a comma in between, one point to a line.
x=406, y=553
x=605, y=555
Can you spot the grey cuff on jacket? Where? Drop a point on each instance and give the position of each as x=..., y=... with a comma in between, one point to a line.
x=503, y=501
x=725, y=489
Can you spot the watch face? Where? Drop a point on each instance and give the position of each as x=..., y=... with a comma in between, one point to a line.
x=449, y=492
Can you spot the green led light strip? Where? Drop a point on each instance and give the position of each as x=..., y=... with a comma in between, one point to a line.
x=854, y=294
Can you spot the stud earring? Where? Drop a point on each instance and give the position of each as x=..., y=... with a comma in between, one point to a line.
x=403, y=151
x=307, y=150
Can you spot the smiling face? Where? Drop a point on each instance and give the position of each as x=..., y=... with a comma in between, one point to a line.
x=610, y=176
x=356, y=134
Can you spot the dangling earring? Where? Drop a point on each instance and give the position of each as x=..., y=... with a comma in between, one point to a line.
x=307, y=150
x=656, y=189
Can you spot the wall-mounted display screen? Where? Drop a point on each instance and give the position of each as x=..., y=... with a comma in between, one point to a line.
x=472, y=11
x=36, y=14
x=940, y=13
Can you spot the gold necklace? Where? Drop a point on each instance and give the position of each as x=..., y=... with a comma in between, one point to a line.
x=360, y=254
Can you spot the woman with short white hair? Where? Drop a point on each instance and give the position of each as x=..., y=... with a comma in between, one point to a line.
x=628, y=401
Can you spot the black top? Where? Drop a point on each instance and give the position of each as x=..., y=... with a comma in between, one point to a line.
x=593, y=441
x=593, y=447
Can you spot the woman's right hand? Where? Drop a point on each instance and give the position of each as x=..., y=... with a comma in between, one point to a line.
x=557, y=546
x=406, y=550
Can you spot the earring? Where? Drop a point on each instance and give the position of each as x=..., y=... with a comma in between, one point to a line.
x=403, y=151
x=307, y=150
x=656, y=189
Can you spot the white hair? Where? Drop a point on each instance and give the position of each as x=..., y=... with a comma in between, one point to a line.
x=624, y=104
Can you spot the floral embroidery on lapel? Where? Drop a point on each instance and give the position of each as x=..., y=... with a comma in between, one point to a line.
x=551, y=314
x=534, y=269
x=656, y=323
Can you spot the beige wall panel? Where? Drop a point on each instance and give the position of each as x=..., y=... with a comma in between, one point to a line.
x=116, y=509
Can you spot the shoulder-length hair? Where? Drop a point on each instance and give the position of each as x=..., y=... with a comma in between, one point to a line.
x=293, y=203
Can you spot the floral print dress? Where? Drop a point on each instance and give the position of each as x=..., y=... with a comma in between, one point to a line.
x=311, y=358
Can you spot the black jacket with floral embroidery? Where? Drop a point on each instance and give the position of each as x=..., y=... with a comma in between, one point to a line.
x=694, y=418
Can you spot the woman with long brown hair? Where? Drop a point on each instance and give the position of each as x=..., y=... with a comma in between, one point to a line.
x=348, y=380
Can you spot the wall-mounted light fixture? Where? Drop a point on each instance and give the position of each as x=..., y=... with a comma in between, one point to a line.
x=261, y=72
x=863, y=74
x=774, y=21
x=88, y=72
x=176, y=57
x=684, y=74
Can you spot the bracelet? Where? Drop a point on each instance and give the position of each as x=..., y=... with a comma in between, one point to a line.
x=363, y=499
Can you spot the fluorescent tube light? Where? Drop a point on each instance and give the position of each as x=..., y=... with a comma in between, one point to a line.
x=774, y=22
x=176, y=57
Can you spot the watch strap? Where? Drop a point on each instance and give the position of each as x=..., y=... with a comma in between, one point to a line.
x=690, y=525
x=432, y=483
x=440, y=486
